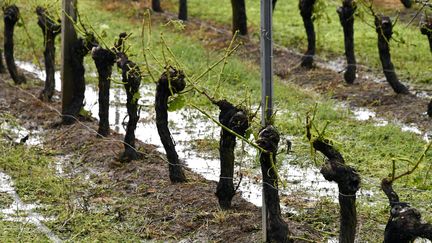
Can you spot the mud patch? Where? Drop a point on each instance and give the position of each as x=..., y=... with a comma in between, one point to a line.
x=369, y=90
x=187, y=211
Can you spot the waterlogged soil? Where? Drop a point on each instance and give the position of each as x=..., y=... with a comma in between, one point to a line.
x=370, y=89
x=139, y=191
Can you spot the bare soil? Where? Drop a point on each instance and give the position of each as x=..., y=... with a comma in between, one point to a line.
x=186, y=211
x=190, y=210
x=366, y=92
x=393, y=4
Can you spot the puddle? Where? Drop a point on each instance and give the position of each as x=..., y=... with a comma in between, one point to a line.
x=423, y=94
x=337, y=65
x=363, y=114
x=422, y=241
x=59, y=163
x=426, y=136
x=410, y=128
x=379, y=122
x=15, y=133
x=336, y=240
x=188, y=125
x=21, y=212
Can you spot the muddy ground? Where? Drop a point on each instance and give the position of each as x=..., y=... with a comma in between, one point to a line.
x=393, y=4
x=370, y=89
x=186, y=211
x=190, y=211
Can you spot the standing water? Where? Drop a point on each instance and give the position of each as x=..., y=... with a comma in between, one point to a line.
x=22, y=212
x=187, y=126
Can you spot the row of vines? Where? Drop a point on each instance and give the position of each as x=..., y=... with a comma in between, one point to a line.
x=311, y=10
x=237, y=123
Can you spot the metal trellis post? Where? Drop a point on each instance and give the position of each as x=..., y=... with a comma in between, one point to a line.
x=267, y=82
x=68, y=37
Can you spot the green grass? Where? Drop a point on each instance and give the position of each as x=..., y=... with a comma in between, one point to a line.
x=18, y=232
x=367, y=147
x=61, y=199
x=411, y=58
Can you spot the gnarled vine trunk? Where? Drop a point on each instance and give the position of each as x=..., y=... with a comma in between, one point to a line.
x=183, y=10
x=11, y=17
x=426, y=29
x=104, y=60
x=79, y=49
x=156, y=6
x=2, y=67
x=236, y=120
x=131, y=76
x=306, y=10
x=407, y=3
x=405, y=223
x=429, y=109
x=346, y=18
x=239, y=18
x=171, y=82
x=348, y=181
x=277, y=229
x=384, y=29
x=50, y=29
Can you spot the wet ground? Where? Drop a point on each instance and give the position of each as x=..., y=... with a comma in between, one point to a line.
x=370, y=89
x=98, y=163
x=18, y=211
x=370, y=98
x=190, y=126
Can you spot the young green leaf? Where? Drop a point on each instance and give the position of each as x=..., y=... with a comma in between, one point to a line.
x=136, y=97
x=85, y=113
x=176, y=103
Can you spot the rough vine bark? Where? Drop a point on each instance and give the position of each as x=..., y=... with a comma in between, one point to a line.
x=429, y=109
x=239, y=18
x=384, y=29
x=235, y=119
x=274, y=4
x=131, y=76
x=171, y=82
x=405, y=223
x=11, y=17
x=104, y=60
x=156, y=6
x=407, y=3
x=183, y=10
x=426, y=29
x=50, y=29
x=2, y=67
x=306, y=10
x=79, y=49
x=277, y=229
x=348, y=181
x=346, y=18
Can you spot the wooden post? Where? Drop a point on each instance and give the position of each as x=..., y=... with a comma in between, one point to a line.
x=267, y=82
x=68, y=37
